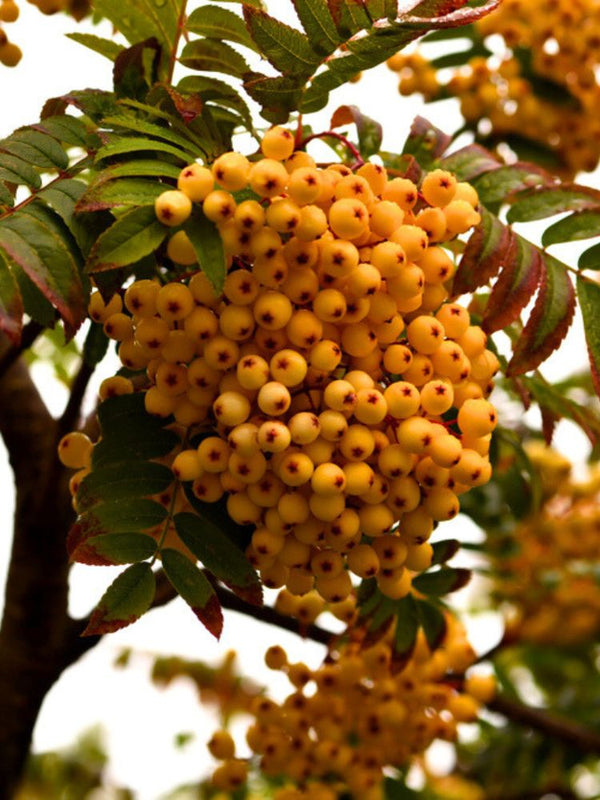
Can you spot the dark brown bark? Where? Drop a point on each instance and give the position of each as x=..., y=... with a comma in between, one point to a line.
x=32, y=635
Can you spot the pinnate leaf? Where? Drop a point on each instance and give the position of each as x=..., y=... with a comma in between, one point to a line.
x=370, y=132
x=120, y=193
x=433, y=622
x=442, y=581
x=131, y=237
x=214, y=22
x=124, y=602
x=588, y=294
x=577, y=226
x=110, y=549
x=211, y=545
x=212, y=55
x=194, y=588
x=317, y=21
x=488, y=247
x=11, y=302
x=208, y=245
x=286, y=48
x=104, y=47
x=129, y=433
x=549, y=321
x=515, y=286
x=546, y=202
x=126, y=479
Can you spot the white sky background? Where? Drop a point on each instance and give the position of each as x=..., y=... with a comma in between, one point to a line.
x=142, y=721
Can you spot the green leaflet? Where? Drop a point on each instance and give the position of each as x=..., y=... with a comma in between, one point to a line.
x=442, y=581
x=131, y=237
x=549, y=321
x=214, y=22
x=123, y=480
x=218, y=553
x=580, y=225
x=127, y=430
x=212, y=55
x=36, y=148
x=120, y=193
x=547, y=202
x=195, y=589
x=105, y=47
x=143, y=19
x=130, y=144
x=588, y=294
x=11, y=302
x=125, y=600
x=208, y=245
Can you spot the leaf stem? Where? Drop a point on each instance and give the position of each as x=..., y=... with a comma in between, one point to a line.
x=348, y=144
x=180, y=29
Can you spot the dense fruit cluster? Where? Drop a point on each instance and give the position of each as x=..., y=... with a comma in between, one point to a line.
x=348, y=720
x=543, y=41
x=551, y=582
x=345, y=395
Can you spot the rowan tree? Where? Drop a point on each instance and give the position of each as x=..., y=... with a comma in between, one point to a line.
x=319, y=346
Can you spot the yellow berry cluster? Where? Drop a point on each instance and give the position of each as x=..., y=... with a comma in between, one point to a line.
x=550, y=583
x=348, y=720
x=10, y=54
x=345, y=394
x=562, y=38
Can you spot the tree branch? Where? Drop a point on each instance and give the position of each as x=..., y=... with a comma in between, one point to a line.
x=12, y=352
x=584, y=739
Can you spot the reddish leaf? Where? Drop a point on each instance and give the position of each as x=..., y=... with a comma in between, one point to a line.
x=588, y=293
x=488, y=248
x=451, y=13
x=187, y=106
x=470, y=161
x=125, y=600
x=11, y=303
x=516, y=285
x=549, y=420
x=194, y=588
x=550, y=318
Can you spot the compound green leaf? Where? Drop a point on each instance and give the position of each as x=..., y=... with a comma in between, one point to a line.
x=546, y=202
x=195, y=589
x=211, y=545
x=516, y=284
x=499, y=185
x=139, y=167
x=67, y=129
x=316, y=19
x=104, y=47
x=214, y=22
x=121, y=481
x=286, y=48
x=120, y=193
x=151, y=129
x=212, y=55
x=131, y=237
x=433, y=623
x=590, y=258
x=208, y=246
x=11, y=303
x=36, y=148
x=588, y=294
x=442, y=581
x=119, y=145
x=549, y=321
x=580, y=225
x=34, y=240
x=444, y=550
x=143, y=19
x=469, y=162
x=110, y=549
x=126, y=515
x=487, y=249
x=124, y=602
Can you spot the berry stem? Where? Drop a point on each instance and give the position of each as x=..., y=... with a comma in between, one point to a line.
x=352, y=148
